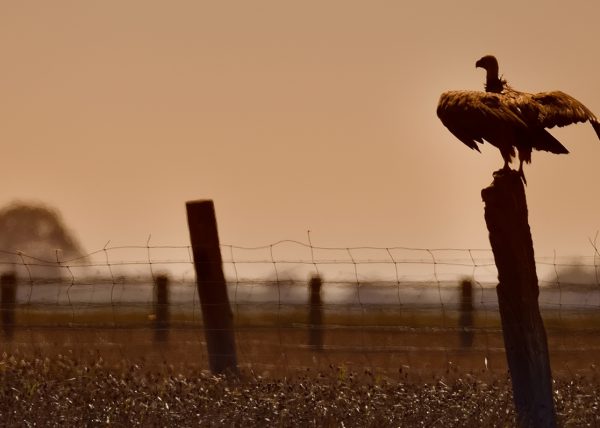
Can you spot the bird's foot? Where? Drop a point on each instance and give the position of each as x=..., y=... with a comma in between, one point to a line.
x=505, y=170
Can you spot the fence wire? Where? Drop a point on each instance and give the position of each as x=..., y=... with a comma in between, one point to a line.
x=381, y=308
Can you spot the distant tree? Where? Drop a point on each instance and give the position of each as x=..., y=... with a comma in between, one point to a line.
x=39, y=232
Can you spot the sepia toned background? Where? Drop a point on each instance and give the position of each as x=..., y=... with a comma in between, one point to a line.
x=290, y=115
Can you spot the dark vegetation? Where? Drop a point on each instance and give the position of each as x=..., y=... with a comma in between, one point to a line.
x=378, y=368
x=67, y=391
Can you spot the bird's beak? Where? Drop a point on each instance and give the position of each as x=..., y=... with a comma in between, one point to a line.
x=478, y=64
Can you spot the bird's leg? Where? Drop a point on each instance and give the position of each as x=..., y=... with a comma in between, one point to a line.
x=521, y=173
x=505, y=169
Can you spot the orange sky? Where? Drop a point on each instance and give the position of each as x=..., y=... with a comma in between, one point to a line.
x=318, y=115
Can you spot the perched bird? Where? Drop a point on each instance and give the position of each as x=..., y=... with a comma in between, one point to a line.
x=509, y=119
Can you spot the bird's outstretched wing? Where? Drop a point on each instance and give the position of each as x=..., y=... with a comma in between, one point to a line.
x=474, y=116
x=550, y=109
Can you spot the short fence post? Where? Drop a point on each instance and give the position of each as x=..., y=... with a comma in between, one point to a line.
x=522, y=326
x=8, y=296
x=161, y=309
x=465, y=320
x=212, y=288
x=315, y=316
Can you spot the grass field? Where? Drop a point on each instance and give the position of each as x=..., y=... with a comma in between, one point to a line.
x=275, y=339
x=380, y=365
x=70, y=390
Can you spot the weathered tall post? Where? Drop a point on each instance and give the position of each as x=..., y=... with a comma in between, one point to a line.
x=522, y=326
x=315, y=316
x=8, y=297
x=465, y=319
x=161, y=309
x=212, y=288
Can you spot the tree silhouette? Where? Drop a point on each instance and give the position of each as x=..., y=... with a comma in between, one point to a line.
x=39, y=232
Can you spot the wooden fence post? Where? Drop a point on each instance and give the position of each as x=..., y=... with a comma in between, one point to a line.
x=522, y=326
x=8, y=296
x=212, y=288
x=161, y=309
x=315, y=316
x=465, y=320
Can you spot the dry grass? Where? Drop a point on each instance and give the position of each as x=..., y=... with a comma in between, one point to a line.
x=104, y=366
x=88, y=391
x=421, y=341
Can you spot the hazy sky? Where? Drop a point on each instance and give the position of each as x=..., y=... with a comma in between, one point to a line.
x=304, y=115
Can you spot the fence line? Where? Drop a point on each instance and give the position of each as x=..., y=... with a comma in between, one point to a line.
x=234, y=256
x=383, y=306
x=282, y=262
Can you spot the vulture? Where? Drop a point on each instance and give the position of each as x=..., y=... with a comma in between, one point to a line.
x=509, y=119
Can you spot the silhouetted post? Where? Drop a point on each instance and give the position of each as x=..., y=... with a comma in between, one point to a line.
x=161, y=308
x=8, y=283
x=315, y=316
x=522, y=326
x=212, y=289
x=465, y=320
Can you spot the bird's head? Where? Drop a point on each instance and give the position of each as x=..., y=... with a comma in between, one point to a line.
x=489, y=63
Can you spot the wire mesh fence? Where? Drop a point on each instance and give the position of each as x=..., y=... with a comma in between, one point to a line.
x=295, y=305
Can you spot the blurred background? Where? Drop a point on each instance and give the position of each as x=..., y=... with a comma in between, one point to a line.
x=310, y=116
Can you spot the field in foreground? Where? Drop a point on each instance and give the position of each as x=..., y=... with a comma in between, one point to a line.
x=64, y=391
x=411, y=344
x=378, y=366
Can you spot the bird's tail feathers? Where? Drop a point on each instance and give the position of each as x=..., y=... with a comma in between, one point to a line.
x=543, y=140
x=596, y=126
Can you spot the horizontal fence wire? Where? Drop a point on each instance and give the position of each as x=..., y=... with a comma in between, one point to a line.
x=391, y=308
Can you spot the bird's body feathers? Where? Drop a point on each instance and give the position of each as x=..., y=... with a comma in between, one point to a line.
x=510, y=119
